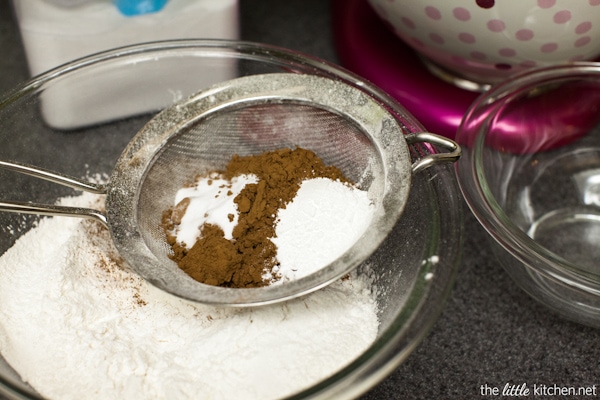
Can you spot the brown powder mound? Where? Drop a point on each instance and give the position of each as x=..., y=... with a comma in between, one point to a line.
x=242, y=261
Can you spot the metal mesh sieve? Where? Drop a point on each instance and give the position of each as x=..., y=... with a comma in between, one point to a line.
x=342, y=124
x=209, y=144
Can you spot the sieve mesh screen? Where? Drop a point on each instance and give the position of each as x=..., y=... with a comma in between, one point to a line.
x=208, y=144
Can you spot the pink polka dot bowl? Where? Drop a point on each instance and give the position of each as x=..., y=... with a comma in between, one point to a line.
x=475, y=43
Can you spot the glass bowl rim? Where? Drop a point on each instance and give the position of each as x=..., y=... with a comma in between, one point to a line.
x=405, y=332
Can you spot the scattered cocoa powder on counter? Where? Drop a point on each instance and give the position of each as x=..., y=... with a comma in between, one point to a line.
x=242, y=261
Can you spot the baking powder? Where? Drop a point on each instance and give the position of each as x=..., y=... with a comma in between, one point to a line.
x=323, y=221
x=75, y=322
x=211, y=202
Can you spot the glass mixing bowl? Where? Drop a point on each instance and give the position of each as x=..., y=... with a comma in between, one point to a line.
x=78, y=118
x=530, y=172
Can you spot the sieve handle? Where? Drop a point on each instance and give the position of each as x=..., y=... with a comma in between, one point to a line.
x=48, y=209
x=453, y=154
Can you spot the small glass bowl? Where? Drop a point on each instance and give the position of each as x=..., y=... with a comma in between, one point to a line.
x=78, y=118
x=530, y=173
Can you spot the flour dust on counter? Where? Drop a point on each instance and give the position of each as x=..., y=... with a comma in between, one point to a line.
x=74, y=319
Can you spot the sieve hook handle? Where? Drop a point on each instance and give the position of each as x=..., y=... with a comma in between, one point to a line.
x=49, y=209
x=453, y=154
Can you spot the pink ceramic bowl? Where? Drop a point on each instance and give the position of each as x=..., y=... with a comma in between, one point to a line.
x=485, y=41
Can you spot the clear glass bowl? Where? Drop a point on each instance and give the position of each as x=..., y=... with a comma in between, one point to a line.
x=78, y=118
x=530, y=173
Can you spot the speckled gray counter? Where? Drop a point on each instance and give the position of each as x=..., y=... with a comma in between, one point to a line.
x=490, y=333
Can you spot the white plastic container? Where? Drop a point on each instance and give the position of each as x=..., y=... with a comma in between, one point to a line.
x=55, y=32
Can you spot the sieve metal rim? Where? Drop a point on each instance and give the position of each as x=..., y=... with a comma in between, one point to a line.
x=132, y=167
x=336, y=96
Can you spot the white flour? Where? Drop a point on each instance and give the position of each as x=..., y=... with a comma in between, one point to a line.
x=75, y=323
x=324, y=220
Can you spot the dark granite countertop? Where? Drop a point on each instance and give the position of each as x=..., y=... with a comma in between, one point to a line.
x=491, y=333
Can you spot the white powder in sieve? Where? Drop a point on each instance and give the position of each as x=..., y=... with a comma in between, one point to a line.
x=74, y=322
x=211, y=201
x=323, y=221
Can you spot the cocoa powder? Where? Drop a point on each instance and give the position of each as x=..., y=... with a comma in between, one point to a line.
x=242, y=261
